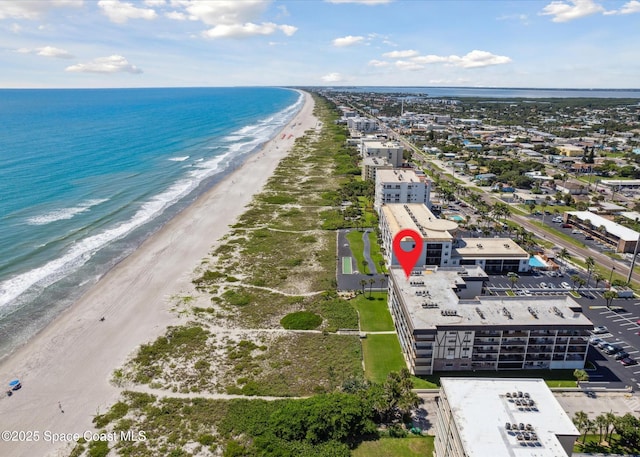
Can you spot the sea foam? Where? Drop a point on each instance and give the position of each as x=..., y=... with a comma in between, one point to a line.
x=64, y=213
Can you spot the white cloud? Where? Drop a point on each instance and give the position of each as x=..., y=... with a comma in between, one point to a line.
x=400, y=54
x=564, y=11
x=176, y=15
x=629, y=8
x=155, y=3
x=332, y=78
x=111, y=64
x=378, y=63
x=120, y=12
x=50, y=51
x=15, y=28
x=473, y=59
x=363, y=2
x=32, y=9
x=348, y=40
x=224, y=12
x=247, y=30
x=408, y=65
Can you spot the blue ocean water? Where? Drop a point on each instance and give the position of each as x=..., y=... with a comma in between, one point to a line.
x=87, y=175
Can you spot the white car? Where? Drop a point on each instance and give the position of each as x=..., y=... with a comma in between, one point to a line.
x=526, y=292
x=599, y=330
x=565, y=285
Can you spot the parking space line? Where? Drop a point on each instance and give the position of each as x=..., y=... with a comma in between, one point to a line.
x=627, y=323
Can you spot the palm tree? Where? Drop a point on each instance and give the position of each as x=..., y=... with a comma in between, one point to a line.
x=513, y=279
x=564, y=255
x=590, y=263
x=598, y=278
x=575, y=279
x=609, y=295
x=611, y=418
x=602, y=424
x=371, y=283
x=580, y=420
x=363, y=282
x=381, y=279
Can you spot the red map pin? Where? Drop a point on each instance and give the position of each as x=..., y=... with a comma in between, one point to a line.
x=407, y=259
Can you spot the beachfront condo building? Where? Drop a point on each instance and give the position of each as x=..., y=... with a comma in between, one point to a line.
x=390, y=150
x=371, y=166
x=441, y=244
x=444, y=324
x=525, y=419
x=401, y=186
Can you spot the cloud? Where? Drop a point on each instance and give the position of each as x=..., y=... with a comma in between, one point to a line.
x=408, y=65
x=50, y=51
x=400, y=54
x=630, y=7
x=176, y=15
x=33, y=9
x=47, y=51
x=564, y=11
x=332, y=78
x=523, y=18
x=155, y=3
x=348, y=40
x=431, y=59
x=247, y=30
x=473, y=59
x=378, y=63
x=120, y=12
x=111, y=64
x=363, y=2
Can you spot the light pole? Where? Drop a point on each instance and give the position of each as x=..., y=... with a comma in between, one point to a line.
x=633, y=261
x=613, y=268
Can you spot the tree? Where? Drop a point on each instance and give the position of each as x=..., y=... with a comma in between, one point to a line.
x=513, y=279
x=580, y=420
x=363, y=283
x=564, y=255
x=609, y=295
x=602, y=423
x=372, y=281
x=575, y=279
x=598, y=278
x=611, y=418
x=628, y=427
x=580, y=375
x=590, y=263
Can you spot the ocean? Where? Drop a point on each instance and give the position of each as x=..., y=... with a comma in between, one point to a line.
x=86, y=175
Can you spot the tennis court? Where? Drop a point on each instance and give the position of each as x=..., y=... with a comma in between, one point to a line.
x=347, y=267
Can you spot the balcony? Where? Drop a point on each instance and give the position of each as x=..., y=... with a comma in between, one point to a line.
x=511, y=340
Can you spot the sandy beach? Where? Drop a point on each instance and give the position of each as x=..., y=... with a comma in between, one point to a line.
x=66, y=369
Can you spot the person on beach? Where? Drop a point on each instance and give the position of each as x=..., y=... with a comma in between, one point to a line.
x=60, y=406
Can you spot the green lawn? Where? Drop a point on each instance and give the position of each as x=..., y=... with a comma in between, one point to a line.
x=376, y=253
x=357, y=248
x=382, y=355
x=412, y=446
x=374, y=313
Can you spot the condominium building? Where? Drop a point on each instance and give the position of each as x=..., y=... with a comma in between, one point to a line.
x=362, y=124
x=437, y=234
x=519, y=417
x=390, y=150
x=494, y=255
x=401, y=186
x=444, y=324
x=371, y=166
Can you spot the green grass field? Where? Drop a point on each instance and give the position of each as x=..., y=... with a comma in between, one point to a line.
x=357, y=248
x=382, y=355
x=374, y=312
x=412, y=446
x=553, y=378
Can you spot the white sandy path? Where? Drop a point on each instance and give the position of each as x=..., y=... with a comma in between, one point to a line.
x=72, y=359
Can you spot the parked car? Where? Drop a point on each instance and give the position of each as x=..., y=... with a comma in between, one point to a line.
x=551, y=286
x=600, y=329
x=575, y=232
x=526, y=292
x=611, y=349
x=567, y=225
x=595, y=340
x=543, y=285
x=588, y=238
x=621, y=355
x=628, y=361
x=565, y=285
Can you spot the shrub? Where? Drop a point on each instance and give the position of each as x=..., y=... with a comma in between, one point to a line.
x=301, y=320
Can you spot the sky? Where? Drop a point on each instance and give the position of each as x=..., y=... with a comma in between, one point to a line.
x=176, y=43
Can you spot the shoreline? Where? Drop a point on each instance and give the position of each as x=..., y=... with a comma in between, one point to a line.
x=68, y=364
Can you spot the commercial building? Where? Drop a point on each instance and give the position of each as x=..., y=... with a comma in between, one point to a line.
x=569, y=150
x=390, y=150
x=623, y=239
x=621, y=184
x=494, y=255
x=480, y=417
x=444, y=324
x=401, y=186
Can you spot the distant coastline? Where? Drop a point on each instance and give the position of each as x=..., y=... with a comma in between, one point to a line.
x=494, y=92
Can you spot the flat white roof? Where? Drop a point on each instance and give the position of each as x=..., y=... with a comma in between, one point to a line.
x=611, y=227
x=489, y=248
x=397, y=176
x=416, y=216
x=481, y=410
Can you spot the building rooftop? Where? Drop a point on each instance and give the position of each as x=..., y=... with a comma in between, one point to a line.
x=484, y=434
x=486, y=248
x=416, y=216
x=430, y=300
x=398, y=176
x=377, y=144
x=622, y=232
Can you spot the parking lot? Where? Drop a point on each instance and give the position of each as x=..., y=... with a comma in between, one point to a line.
x=620, y=320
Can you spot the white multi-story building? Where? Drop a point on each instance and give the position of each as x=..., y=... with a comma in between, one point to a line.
x=437, y=234
x=362, y=124
x=371, y=166
x=390, y=150
x=494, y=255
x=401, y=186
x=444, y=324
x=481, y=417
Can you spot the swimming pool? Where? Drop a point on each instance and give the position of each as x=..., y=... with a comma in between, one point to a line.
x=456, y=218
x=537, y=262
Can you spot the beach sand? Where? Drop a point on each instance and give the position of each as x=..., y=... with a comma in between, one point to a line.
x=66, y=369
